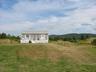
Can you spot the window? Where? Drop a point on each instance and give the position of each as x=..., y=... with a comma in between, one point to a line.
x=34, y=37
x=42, y=35
x=27, y=36
x=31, y=36
x=38, y=37
x=46, y=36
x=23, y=36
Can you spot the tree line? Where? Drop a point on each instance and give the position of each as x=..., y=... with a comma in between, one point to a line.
x=74, y=37
x=71, y=37
x=8, y=36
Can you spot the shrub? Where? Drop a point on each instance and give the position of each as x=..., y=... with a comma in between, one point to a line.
x=93, y=42
x=30, y=42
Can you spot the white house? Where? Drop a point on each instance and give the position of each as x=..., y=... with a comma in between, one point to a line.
x=34, y=37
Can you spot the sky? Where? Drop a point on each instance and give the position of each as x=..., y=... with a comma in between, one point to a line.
x=54, y=16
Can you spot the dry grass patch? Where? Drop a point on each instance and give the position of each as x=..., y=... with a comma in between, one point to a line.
x=40, y=51
x=7, y=41
x=54, y=52
x=78, y=53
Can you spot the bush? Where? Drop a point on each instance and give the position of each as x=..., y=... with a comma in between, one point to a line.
x=93, y=42
x=30, y=42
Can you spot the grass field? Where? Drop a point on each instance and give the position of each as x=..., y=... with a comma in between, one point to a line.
x=51, y=57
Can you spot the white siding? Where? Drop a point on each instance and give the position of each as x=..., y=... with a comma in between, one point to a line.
x=34, y=37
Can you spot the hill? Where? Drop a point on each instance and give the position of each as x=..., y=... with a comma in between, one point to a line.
x=74, y=37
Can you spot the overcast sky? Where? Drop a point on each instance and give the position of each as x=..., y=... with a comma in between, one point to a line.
x=54, y=16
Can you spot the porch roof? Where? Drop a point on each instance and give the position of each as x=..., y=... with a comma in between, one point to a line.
x=35, y=32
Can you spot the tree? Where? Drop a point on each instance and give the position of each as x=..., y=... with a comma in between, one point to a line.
x=8, y=36
x=3, y=35
x=93, y=42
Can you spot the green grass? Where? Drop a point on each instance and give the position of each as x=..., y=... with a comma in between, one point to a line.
x=92, y=50
x=40, y=58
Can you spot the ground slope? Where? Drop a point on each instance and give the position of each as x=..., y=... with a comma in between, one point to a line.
x=52, y=57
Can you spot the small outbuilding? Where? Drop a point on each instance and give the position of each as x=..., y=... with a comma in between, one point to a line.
x=34, y=37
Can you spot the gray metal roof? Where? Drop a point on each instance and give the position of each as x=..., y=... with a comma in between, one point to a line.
x=36, y=32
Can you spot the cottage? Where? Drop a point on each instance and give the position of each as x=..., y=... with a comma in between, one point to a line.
x=34, y=37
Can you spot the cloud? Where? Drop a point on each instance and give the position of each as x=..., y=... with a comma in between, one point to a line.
x=72, y=23
x=16, y=27
x=26, y=15
x=39, y=5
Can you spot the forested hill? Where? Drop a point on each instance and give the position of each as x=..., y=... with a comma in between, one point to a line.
x=71, y=37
